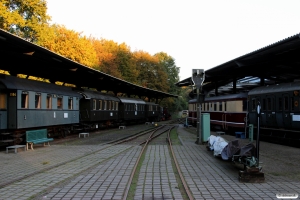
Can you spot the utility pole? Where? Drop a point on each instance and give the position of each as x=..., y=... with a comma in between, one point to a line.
x=198, y=77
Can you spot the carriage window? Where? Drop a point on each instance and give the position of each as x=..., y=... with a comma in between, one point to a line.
x=37, y=100
x=59, y=102
x=215, y=106
x=100, y=104
x=292, y=103
x=70, y=103
x=2, y=101
x=24, y=100
x=109, y=105
x=286, y=103
x=117, y=105
x=269, y=103
x=279, y=103
x=113, y=105
x=225, y=106
x=220, y=106
x=105, y=104
x=49, y=101
x=94, y=104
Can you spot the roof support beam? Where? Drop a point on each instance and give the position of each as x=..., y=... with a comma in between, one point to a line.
x=234, y=85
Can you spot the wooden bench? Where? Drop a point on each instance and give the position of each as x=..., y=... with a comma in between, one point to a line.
x=37, y=137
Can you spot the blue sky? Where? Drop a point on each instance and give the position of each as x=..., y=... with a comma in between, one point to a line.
x=198, y=34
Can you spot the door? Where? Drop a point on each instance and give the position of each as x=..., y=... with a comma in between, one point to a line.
x=270, y=111
x=286, y=111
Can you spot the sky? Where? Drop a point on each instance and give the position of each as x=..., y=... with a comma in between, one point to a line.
x=198, y=34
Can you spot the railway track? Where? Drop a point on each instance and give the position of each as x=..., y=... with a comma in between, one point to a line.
x=129, y=147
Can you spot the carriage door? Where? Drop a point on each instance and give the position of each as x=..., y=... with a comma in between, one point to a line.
x=286, y=111
x=270, y=111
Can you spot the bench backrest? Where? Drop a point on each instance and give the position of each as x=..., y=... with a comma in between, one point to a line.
x=36, y=134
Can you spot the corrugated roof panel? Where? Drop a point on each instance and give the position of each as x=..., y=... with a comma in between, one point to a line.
x=269, y=89
x=90, y=94
x=128, y=100
x=30, y=85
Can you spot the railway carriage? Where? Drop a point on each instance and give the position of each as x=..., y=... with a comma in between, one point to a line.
x=152, y=111
x=279, y=106
x=226, y=112
x=27, y=104
x=98, y=109
x=132, y=110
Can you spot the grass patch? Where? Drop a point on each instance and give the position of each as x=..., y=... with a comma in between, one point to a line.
x=135, y=178
x=174, y=137
x=45, y=162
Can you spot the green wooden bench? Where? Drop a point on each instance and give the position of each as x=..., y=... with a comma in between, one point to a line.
x=37, y=137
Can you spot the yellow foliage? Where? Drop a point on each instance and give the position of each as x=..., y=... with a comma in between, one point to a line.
x=69, y=44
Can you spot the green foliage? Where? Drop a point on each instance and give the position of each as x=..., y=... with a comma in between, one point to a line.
x=23, y=17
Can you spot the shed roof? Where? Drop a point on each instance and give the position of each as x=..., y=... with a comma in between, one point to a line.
x=19, y=56
x=275, y=63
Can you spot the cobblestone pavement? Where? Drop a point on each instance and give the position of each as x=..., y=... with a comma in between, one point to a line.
x=157, y=179
x=83, y=171
x=36, y=183
x=107, y=180
x=209, y=177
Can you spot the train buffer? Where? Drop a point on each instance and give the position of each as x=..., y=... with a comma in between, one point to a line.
x=220, y=132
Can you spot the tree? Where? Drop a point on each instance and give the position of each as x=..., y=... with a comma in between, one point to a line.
x=23, y=17
x=115, y=59
x=69, y=44
x=172, y=71
x=150, y=72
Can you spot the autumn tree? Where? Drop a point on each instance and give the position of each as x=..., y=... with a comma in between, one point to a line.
x=23, y=17
x=69, y=44
x=115, y=59
x=106, y=56
x=150, y=73
x=168, y=63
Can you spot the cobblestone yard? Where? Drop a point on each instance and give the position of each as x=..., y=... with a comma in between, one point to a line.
x=85, y=169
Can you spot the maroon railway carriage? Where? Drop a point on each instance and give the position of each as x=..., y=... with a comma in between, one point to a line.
x=227, y=111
